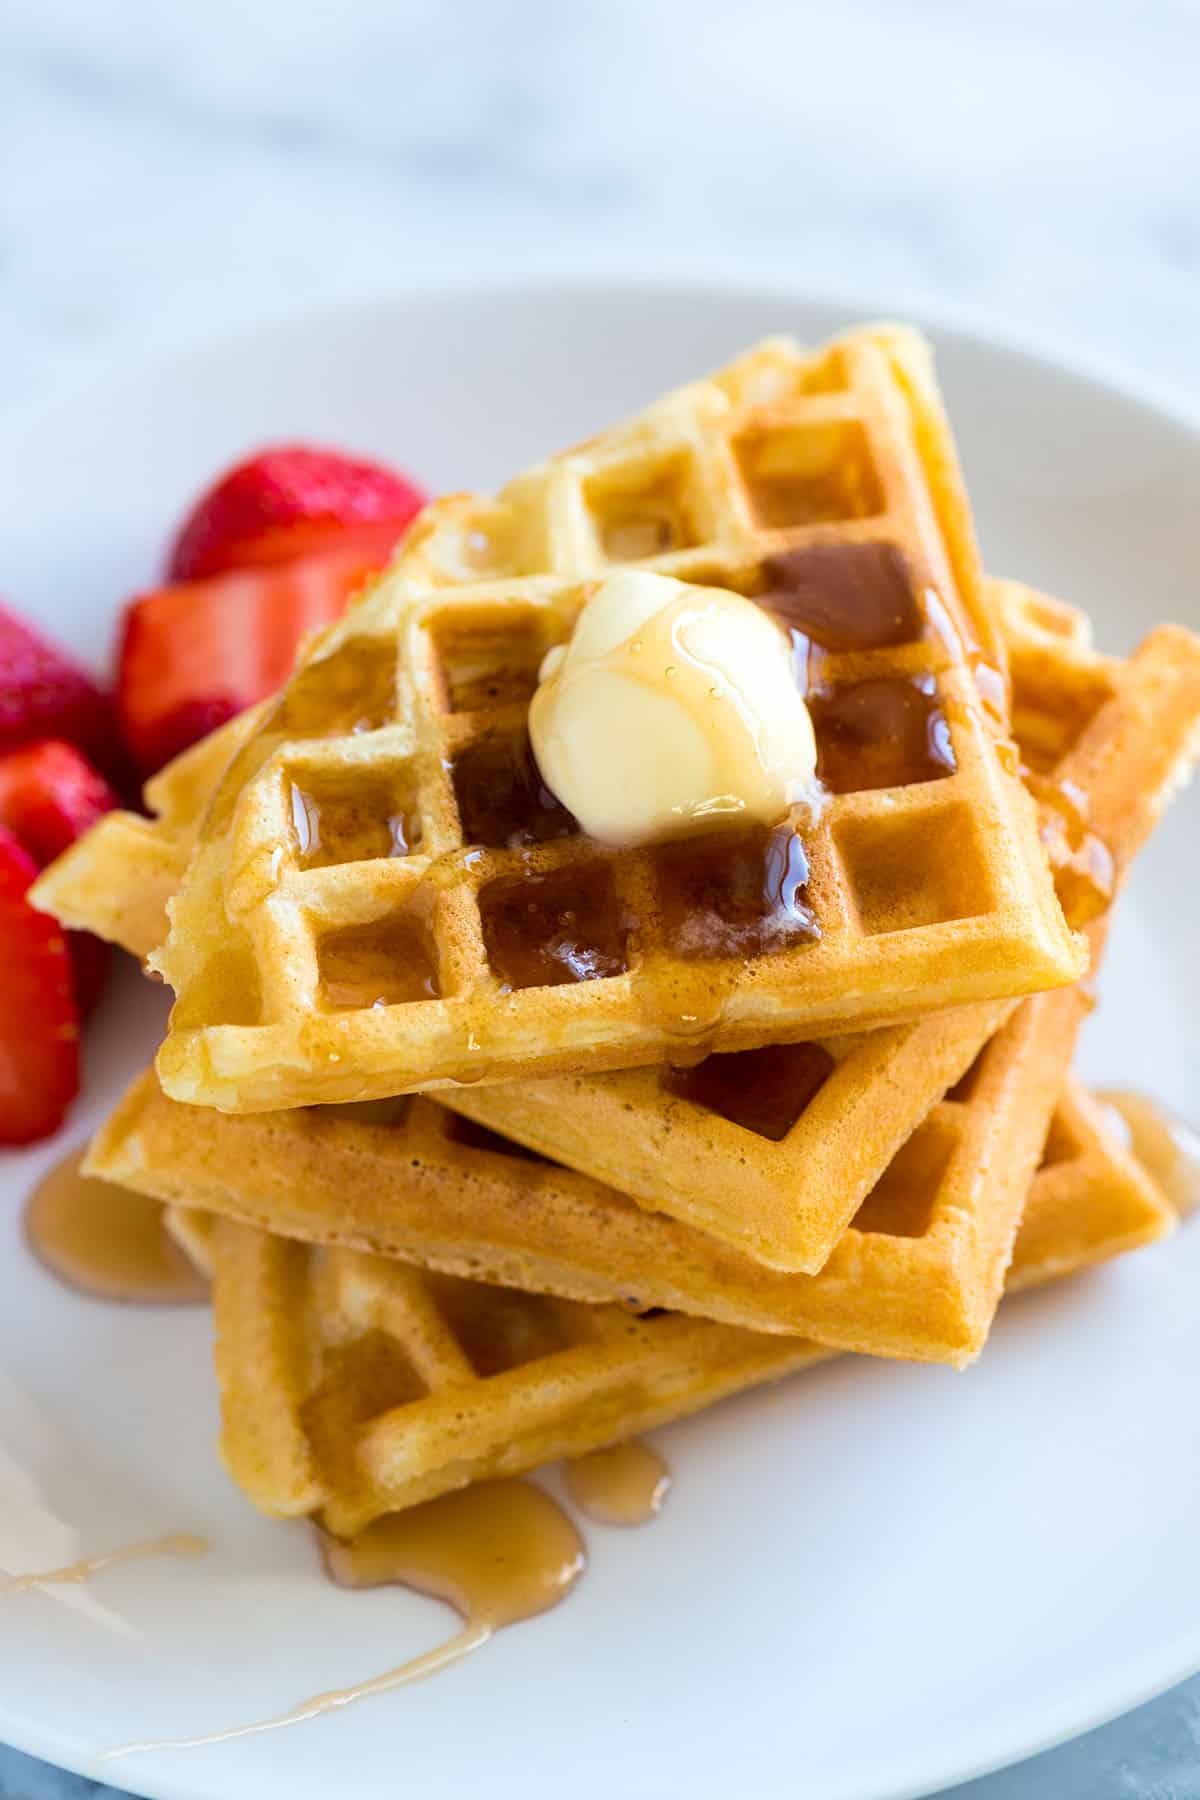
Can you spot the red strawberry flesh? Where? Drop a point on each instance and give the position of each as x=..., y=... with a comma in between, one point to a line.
x=49, y=796
x=285, y=502
x=39, y=1025
x=45, y=693
x=194, y=654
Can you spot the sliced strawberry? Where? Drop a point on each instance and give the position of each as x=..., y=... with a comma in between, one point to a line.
x=39, y=1026
x=195, y=654
x=43, y=693
x=49, y=796
x=285, y=502
x=90, y=959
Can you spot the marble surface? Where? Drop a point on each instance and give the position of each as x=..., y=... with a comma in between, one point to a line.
x=169, y=170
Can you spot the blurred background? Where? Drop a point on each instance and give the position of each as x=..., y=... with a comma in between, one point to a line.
x=167, y=169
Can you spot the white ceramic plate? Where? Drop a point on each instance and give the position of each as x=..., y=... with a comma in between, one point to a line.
x=868, y=1583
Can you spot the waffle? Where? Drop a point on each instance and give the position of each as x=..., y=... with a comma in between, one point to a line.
x=117, y=878
x=919, y=1272
x=353, y=1385
x=917, y=1276
x=314, y=962
x=772, y=1150
x=780, y=1181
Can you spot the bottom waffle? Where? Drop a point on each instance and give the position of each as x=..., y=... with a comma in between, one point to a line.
x=354, y=1385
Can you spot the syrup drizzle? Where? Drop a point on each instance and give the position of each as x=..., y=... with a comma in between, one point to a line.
x=107, y=1241
x=1085, y=871
x=623, y=1485
x=175, y=1543
x=1166, y=1146
x=497, y=1552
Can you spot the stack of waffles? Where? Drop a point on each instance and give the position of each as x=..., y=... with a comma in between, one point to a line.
x=502, y=1146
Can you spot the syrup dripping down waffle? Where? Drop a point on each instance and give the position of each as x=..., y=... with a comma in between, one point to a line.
x=772, y=1150
x=385, y=898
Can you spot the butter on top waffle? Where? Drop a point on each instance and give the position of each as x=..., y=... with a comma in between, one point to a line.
x=385, y=898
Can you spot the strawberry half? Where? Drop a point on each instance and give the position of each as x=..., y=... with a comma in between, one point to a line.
x=39, y=1026
x=43, y=693
x=193, y=655
x=49, y=796
x=286, y=502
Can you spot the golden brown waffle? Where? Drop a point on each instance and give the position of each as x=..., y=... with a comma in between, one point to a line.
x=117, y=878
x=353, y=1385
x=312, y=962
x=843, y=1106
x=917, y=1275
x=1125, y=1208
x=772, y=1150
x=880, y=1086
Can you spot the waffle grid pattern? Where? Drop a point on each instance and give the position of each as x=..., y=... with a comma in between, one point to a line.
x=772, y=1150
x=352, y=1385
x=918, y=1274
x=534, y=949
x=117, y=878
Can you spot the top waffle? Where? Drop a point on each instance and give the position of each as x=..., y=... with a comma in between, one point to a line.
x=385, y=898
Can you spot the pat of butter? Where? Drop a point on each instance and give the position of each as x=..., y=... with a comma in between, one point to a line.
x=671, y=706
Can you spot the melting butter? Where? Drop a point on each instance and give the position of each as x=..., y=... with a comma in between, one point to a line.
x=671, y=707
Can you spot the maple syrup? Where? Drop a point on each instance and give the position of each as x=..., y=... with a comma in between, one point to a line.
x=1084, y=870
x=887, y=732
x=1166, y=1146
x=623, y=1485
x=498, y=1552
x=107, y=1241
x=764, y=1091
x=545, y=930
x=736, y=893
x=355, y=819
x=351, y=690
x=389, y=962
x=503, y=803
x=844, y=597
x=175, y=1543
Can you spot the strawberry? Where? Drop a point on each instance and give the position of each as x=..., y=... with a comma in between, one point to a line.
x=286, y=502
x=194, y=654
x=43, y=693
x=90, y=959
x=39, y=1026
x=49, y=796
